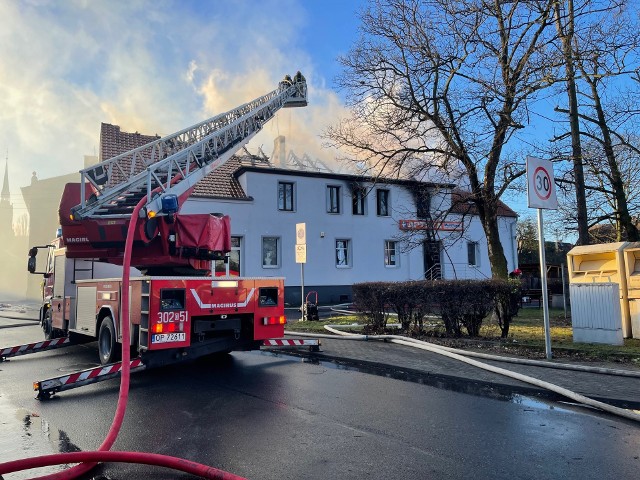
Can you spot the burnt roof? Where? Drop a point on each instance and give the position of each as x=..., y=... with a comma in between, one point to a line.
x=462, y=204
x=223, y=181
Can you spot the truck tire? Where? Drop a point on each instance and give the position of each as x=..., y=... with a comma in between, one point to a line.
x=47, y=326
x=108, y=348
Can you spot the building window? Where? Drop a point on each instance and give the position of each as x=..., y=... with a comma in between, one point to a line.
x=232, y=266
x=285, y=196
x=423, y=203
x=358, y=197
x=270, y=252
x=343, y=253
x=390, y=254
x=473, y=253
x=333, y=199
x=382, y=202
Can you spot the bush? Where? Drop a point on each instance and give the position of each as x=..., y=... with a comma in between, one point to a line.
x=507, y=294
x=462, y=304
x=371, y=299
x=411, y=301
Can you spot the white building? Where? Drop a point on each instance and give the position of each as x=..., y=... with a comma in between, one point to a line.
x=357, y=229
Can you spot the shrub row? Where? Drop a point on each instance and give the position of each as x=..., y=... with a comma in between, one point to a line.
x=460, y=303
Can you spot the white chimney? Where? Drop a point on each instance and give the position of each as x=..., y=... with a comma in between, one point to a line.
x=279, y=156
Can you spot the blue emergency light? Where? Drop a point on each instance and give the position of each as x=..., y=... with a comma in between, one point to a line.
x=170, y=203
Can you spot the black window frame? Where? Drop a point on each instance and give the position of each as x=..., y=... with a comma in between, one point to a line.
x=333, y=199
x=423, y=205
x=382, y=206
x=473, y=250
x=358, y=201
x=283, y=204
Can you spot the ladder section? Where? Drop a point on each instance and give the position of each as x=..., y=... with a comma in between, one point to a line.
x=143, y=339
x=175, y=163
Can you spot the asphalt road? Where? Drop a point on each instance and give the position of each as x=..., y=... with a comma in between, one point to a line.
x=268, y=416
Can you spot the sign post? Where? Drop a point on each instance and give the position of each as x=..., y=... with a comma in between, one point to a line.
x=541, y=194
x=301, y=258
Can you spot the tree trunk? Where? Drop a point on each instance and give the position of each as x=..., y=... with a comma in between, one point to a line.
x=566, y=36
x=497, y=259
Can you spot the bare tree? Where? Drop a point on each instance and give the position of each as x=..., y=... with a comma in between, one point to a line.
x=527, y=236
x=602, y=53
x=565, y=24
x=440, y=84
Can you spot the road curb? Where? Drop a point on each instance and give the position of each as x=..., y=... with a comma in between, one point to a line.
x=456, y=383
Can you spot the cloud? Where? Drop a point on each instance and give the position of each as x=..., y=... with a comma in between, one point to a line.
x=148, y=66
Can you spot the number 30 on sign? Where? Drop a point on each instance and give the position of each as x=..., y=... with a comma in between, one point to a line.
x=541, y=190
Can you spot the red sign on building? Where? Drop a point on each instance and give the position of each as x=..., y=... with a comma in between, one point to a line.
x=444, y=225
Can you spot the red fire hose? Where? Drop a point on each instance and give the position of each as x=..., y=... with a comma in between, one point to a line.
x=122, y=457
x=103, y=454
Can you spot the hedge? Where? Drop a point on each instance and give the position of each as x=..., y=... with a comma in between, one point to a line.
x=462, y=304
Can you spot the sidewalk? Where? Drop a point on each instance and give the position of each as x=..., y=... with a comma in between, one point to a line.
x=426, y=367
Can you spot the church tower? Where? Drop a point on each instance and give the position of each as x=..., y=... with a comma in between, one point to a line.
x=6, y=208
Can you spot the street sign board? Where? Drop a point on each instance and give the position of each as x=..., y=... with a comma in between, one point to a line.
x=541, y=191
x=301, y=233
x=301, y=253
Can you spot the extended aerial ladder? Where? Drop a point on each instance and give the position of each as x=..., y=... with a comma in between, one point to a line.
x=175, y=163
x=165, y=171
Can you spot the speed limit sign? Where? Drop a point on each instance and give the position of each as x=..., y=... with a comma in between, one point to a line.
x=541, y=191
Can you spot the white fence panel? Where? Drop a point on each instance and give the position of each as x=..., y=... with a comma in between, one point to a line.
x=595, y=313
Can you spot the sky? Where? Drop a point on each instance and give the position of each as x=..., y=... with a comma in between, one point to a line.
x=157, y=67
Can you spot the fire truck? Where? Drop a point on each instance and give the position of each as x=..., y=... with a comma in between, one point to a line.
x=179, y=309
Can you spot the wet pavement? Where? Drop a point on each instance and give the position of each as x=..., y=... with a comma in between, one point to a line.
x=26, y=434
x=402, y=362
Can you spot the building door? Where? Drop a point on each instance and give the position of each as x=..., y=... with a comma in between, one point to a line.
x=431, y=250
x=232, y=267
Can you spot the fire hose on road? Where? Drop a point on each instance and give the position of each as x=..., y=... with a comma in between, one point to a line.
x=460, y=355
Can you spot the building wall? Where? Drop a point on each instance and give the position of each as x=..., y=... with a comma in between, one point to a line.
x=260, y=217
x=42, y=198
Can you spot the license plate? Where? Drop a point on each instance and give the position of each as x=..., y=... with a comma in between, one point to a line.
x=168, y=337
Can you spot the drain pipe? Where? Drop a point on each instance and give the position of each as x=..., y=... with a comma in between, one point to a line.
x=456, y=354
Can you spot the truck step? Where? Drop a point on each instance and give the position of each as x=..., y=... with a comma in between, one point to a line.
x=49, y=387
x=34, y=348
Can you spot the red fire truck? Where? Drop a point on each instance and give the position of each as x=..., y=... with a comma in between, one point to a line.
x=179, y=310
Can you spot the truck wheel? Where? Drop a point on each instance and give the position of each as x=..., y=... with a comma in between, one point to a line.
x=107, y=345
x=47, y=326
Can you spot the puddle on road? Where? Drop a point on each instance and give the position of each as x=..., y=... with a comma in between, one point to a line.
x=26, y=435
x=540, y=404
